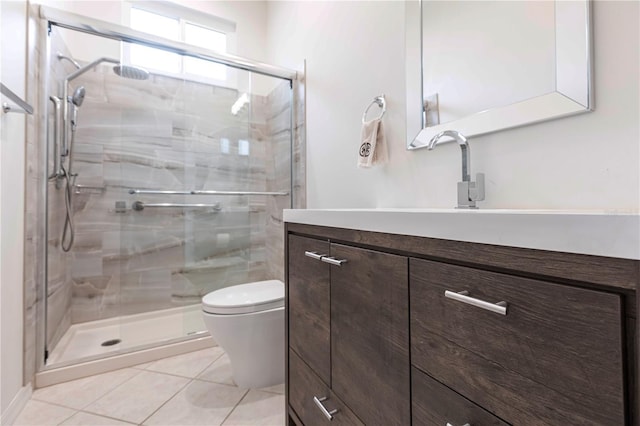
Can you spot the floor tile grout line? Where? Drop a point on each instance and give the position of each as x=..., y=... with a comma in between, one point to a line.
x=112, y=389
x=54, y=404
x=171, y=397
x=171, y=374
x=107, y=392
x=229, y=385
x=67, y=418
x=138, y=371
x=167, y=401
x=269, y=391
x=235, y=406
x=35, y=397
x=177, y=375
x=107, y=417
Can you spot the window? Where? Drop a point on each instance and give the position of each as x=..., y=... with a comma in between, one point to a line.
x=175, y=27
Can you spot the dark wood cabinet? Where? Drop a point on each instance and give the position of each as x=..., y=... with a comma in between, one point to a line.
x=436, y=404
x=369, y=335
x=362, y=294
x=308, y=305
x=377, y=330
x=307, y=386
x=555, y=357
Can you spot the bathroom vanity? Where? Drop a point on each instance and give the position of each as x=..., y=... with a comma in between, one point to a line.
x=431, y=317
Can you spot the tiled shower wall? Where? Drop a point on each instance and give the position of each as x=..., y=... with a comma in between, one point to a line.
x=168, y=134
x=279, y=151
x=163, y=133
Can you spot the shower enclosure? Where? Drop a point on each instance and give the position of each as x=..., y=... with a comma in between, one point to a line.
x=158, y=187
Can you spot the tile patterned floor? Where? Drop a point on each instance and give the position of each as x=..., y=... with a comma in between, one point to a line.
x=190, y=389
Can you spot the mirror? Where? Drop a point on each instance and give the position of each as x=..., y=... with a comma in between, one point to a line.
x=483, y=66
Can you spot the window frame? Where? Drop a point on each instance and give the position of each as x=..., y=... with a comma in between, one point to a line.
x=185, y=17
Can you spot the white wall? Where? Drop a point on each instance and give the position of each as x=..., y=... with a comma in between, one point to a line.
x=13, y=33
x=355, y=51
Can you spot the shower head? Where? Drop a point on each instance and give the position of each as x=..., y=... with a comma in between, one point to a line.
x=128, y=71
x=78, y=96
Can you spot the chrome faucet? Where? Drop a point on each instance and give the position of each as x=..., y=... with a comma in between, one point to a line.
x=468, y=191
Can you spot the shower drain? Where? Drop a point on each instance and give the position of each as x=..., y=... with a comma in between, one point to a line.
x=111, y=342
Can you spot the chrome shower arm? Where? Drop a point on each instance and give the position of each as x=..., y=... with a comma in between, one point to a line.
x=77, y=73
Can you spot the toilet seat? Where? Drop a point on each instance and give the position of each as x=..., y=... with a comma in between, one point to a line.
x=245, y=298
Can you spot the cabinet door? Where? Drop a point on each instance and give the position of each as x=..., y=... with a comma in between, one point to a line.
x=309, y=304
x=369, y=334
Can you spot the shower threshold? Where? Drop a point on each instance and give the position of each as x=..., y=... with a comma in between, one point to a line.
x=97, y=339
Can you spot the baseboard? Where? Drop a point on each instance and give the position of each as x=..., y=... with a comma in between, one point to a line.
x=17, y=404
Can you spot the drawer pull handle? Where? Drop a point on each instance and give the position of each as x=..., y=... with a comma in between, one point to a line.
x=327, y=414
x=466, y=424
x=462, y=296
x=314, y=255
x=334, y=261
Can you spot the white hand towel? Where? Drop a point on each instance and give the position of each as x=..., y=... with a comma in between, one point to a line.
x=372, y=149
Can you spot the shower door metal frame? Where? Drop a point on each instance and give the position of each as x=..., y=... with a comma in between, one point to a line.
x=92, y=26
x=54, y=17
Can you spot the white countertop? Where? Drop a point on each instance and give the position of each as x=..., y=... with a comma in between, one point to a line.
x=601, y=233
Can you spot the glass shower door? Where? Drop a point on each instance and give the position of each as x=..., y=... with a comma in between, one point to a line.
x=181, y=181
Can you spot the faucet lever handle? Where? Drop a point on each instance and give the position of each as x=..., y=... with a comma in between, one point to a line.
x=476, y=189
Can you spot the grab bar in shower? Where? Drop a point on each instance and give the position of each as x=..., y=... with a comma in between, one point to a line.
x=239, y=193
x=56, y=138
x=25, y=107
x=197, y=192
x=139, y=205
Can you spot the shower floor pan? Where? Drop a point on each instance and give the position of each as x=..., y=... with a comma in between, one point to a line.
x=100, y=338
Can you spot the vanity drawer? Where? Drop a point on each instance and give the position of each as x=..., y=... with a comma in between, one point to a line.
x=555, y=357
x=433, y=403
x=304, y=385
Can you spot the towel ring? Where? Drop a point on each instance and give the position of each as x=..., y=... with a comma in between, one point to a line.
x=378, y=100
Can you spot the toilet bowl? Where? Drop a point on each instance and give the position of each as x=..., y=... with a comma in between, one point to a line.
x=247, y=321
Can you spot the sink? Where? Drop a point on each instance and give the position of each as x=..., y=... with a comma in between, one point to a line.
x=611, y=233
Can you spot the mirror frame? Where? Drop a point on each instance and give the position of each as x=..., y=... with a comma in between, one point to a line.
x=566, y=100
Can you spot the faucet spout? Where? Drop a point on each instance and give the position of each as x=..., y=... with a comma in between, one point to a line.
x=464, y=146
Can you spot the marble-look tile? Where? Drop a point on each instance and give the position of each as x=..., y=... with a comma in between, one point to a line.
x=143, y=366
x=187, y=365
x=258, y=408
x=219, y=372
x=200, y=403
x=37, y=413
x=58, y=318
x=274, y=389
x=87, y=419
x=139, y=397
x=82, y=392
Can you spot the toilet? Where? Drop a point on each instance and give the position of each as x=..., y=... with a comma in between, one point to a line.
x=247, y=321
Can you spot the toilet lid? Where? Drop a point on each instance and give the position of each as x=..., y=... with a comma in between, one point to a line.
x=245, y=298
